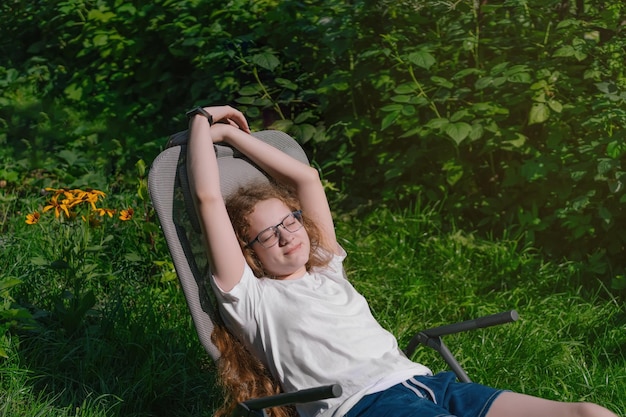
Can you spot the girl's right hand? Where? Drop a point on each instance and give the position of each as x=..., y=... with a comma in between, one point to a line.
x=229, y=115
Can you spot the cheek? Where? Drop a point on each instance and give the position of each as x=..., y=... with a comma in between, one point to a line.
x=306, y=238
x=303, y=233
x=263, y=256
x=268, y=258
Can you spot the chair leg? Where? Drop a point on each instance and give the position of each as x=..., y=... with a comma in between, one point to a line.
x=438, y=344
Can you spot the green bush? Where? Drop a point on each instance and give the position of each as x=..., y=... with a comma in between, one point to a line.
x=512, y=114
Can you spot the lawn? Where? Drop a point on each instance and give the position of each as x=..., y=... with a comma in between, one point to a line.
x=111, y=335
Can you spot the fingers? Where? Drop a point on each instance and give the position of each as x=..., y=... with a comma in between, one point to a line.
x=230, y=115
x=240, y=120
x=233, y=123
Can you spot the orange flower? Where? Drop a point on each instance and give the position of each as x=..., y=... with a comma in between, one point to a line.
x=97, y=193
x=68, y=201
x=33, y=218
x=55, y=190
x=73, y=198
x=58, y=207
x=127, y=214
x=105, y=212
x=92, y=196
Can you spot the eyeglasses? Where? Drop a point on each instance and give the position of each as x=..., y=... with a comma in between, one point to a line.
x=270, y=236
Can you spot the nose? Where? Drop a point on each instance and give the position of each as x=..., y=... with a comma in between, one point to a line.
x=284, y=237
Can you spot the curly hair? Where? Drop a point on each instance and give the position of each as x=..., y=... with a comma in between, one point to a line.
x=242, y=375
x=242, y=203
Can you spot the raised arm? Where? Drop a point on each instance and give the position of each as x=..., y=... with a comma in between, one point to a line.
x=287, y=170
x=224, y=253
x=227, y=260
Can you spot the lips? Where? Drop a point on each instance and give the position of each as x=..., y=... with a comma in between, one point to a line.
x=293, y=249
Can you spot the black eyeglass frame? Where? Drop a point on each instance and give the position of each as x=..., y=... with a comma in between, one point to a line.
x=297, y=214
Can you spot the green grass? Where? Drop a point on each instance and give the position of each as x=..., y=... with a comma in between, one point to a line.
x=135, y=353
x=568, y=343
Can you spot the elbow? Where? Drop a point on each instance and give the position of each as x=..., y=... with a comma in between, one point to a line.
x=311, y=175
x=307, y=178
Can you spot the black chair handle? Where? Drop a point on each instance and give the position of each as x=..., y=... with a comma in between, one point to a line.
x=429, y=336
x=249, y=407
x=432, y=338
x=479, y=323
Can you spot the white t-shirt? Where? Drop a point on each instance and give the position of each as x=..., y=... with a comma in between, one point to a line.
x=316, y=330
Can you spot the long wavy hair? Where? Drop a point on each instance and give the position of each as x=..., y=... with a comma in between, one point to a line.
x=242, y=375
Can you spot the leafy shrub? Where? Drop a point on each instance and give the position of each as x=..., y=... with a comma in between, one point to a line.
x=509, y=113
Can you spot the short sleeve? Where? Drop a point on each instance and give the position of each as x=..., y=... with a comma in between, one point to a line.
x=238, y=306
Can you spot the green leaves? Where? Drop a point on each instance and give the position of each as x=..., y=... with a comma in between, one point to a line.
x=567, y=51
x=458, y=131
x=11, y=314
x=266, y=60
x=539, y=113
x=532, y=120
x=517, y=108
x=422, y=59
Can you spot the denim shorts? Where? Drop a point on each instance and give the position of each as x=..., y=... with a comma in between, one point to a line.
x=428, y=396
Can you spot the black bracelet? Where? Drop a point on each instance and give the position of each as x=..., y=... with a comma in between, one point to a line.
x=200, y=110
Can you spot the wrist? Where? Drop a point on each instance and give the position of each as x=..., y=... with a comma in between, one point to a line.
x=200, y=111
x=222, y=132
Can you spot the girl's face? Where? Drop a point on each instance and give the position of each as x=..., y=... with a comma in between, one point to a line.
x=286, y=259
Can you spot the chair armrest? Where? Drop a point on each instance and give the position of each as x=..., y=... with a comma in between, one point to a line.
x=432, y=337
x=255, y=406
x=486, y=321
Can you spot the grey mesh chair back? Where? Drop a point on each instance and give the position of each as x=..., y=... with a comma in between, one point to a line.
x=169, y=191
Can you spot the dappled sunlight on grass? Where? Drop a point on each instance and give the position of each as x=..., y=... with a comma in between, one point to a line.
x=567, y=345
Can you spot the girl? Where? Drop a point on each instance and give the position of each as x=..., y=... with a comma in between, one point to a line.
x=277, y=273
